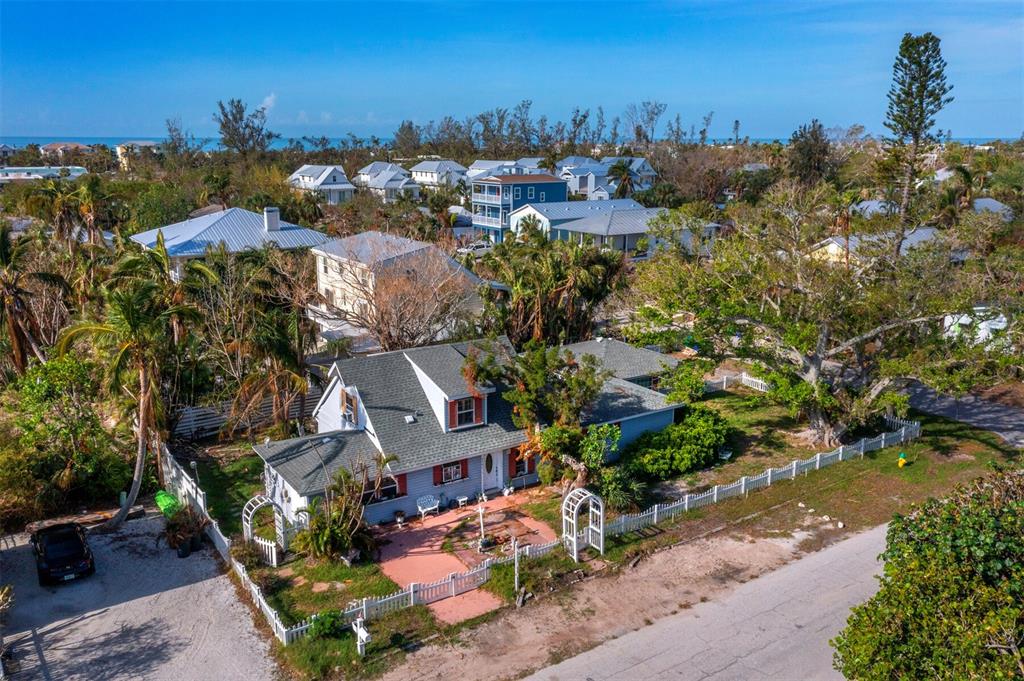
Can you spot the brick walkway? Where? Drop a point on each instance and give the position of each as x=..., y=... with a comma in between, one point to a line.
x=415, y=554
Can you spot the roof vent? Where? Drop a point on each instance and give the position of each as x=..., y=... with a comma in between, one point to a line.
x=410, y=418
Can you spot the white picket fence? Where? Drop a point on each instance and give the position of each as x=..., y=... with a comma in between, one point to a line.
x=725, y=382
x=199, y=422
x=269, y=551
x=904, y=430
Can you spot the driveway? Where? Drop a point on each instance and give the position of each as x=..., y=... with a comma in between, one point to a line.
x=145, y=614
x=1006, y=422
x=774, y=627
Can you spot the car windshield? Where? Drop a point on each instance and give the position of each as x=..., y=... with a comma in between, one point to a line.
x=61, y=545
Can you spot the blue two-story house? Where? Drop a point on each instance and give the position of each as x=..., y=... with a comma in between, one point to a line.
x=442, y=437
x=496, y=196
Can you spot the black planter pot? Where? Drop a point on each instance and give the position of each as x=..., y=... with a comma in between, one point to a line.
x=184, y=550
x=196, y=542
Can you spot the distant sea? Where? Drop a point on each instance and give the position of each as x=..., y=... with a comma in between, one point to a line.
x=212, y=143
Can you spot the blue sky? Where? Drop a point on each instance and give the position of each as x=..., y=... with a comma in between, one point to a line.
x=107, y=69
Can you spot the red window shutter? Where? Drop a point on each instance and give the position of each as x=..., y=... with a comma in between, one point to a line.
x=437, y=475
x=400, y=480
x=478, y=410
x=531, y=464
x=513, y=454
x=453, y=414
x=465, y=468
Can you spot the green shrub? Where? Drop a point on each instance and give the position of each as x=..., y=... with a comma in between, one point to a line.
x=681, y=447
x=549, y=472
x=245, y=553
x=328, y=624
x=619, y=487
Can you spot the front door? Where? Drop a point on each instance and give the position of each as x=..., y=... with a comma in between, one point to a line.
x=489, y=473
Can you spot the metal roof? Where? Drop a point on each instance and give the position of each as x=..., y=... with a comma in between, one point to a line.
x=317, y=175
x=574, y=210
x=238, y=229
x=444, y=165
x=615, y=222
x=392, y=179
x=371, y=247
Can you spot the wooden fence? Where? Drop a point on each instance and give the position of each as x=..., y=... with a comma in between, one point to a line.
x=199, y=422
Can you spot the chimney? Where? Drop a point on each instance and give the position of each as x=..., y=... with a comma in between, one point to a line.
x=271, y=219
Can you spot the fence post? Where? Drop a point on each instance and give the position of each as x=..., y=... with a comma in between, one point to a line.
x=714, y=495
x=903, y=434
x=686, y=503
x=743, y=485
x=655, y=508
x=769, y=475
x=817, y=461
x=793, y=474
x=412, y=594
x=451, y=579
x=862, y=440
x=365, y=612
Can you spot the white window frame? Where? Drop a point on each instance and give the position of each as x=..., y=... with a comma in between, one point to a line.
x=522, y=467
x=388, y=485
x=517, y=193
x=451, y=472
x=529, y=192
x=459, y=412
x=542, y=196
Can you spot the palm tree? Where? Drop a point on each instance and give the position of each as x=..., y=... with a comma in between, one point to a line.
x=549, y=162
x=15, y=309
x=133, y=336
x=56, y=202
x=621, y=174
x=156, y=265
x=90, y=197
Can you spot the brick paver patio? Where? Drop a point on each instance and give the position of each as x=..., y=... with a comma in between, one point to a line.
x=414, y=553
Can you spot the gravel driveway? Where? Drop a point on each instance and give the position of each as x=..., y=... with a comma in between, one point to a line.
x=145, y=614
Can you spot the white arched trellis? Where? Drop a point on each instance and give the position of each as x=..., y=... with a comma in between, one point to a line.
x=592, y=533
x=256, y=503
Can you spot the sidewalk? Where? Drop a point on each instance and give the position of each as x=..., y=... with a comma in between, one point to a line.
x=1006, y=422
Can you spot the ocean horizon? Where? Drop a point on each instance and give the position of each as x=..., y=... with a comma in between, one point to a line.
x=210, y=144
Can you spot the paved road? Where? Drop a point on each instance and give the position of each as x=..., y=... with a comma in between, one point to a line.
x=145, y=614
x=1007, y=422
x=774, y=627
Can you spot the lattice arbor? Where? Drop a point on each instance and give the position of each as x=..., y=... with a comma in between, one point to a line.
x=592, y=534
x=249, y=511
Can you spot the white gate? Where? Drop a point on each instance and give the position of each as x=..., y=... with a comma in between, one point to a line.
x=280, y=528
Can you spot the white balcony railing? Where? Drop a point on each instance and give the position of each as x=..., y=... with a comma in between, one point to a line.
x=485, y=221
x=486, y=198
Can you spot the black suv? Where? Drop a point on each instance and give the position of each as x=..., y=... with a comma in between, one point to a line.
x=62, y=553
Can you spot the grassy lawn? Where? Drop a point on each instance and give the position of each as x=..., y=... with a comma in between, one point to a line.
x=547, y=510
x=289, y=589
x=537, y=575
x=228, y=485
x=862, y=493
x=337, y=657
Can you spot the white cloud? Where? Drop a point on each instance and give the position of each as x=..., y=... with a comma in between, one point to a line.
x=302, y=118
x=325, y=117
x=269, y=101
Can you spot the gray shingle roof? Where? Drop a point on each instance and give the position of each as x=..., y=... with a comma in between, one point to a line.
x=298, y=460
x=443, y=364
x=621, y=399
x=574, y=210
x=622, y=359
x=238, y=229
x=389, y=390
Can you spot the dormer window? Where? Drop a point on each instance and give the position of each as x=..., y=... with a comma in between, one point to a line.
x=465, y=414
x=349, y=408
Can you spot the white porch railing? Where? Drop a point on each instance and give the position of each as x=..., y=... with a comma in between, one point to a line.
x=486, y=198
x=486, y=221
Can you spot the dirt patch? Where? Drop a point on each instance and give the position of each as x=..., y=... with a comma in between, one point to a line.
x=554, y=628
x=1009, y=394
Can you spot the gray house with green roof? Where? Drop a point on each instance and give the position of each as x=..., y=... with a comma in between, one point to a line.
x=443, y=438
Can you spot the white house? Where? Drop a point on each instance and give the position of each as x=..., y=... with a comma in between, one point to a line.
x=391, y=185
x=640, y=170
x=552, y=215
x=127, y=151
x=371, y=170
x=6, y=152
x=329, y=182
x=432, y=175
x=582, y=180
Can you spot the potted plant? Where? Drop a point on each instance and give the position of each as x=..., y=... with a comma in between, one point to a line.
x=183, y=531
x=399, y=517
